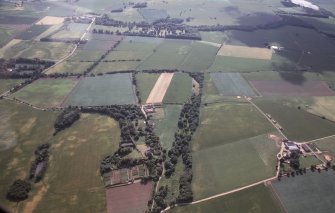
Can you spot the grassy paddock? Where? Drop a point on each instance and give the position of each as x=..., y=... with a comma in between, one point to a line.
x=228, y=122
x=22, y=130
x=46, y=92
x=179, y=90
x=69, y=186
x=145, y=83
x=298, y=124
x=6, y=84
x=227, y=164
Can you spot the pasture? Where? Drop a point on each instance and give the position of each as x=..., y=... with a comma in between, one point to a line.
x=227, y=163
x=234, y=64
x=103, y=90
x=201, y=56
x=167, y=125
x=313, y=190
x=232, y=84
x=119, y=66
x=225, y=123
x=298, y=124
x=255, y=199
x=151, y=15
x=22, y=129
x=82, y=55
x=327, y=144
x=71, y=31
x=41, y=50
x=32, y=32
x=323, y=106
x=132, y=198
x=67, y=186
x=145, y=83
x=70, y=67
x=245, y=52
x=46, y=92
x=169, y=55
x=6, y=84
x=285, y=88
x=180, y=89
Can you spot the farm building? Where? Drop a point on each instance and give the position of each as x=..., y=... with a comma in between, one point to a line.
x=291, y=146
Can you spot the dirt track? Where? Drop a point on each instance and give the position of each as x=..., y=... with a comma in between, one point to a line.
x=158, y=91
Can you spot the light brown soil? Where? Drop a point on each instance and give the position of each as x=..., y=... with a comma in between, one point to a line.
x=50, y=20
x=31, y=205
x=158, y=92
x=245, y=52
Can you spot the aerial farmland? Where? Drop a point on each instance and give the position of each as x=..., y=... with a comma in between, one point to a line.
x=167, y=106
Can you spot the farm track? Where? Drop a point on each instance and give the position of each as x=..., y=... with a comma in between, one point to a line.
x=74, y=49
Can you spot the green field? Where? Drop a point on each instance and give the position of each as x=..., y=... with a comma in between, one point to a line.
x=234, y=64
x=81, y=55
x=22, y=129
x=200, y=58
x=169, y=55
x=228, y=122
x=312, y=190
x=180, y=89
x=232, y=84
x=103, y=90
x=70, y=67
x=327, y=144
x=46, y=92
x=109, y=67
x=145, y=83
x=257, y=199
x=298, y=124
x=166, y=127
x=32, y=32
x=72, y=31
x=6, y=84
x=41, y=50
x=70, y=187
x=231, y=165
x=231, y=139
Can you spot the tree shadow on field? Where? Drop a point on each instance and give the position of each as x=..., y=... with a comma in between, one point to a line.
x=306, y=47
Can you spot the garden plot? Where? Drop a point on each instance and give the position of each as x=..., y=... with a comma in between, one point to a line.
x=103, y=90
x=232, y=84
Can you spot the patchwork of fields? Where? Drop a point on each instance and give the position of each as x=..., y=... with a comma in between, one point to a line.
x=220, y=88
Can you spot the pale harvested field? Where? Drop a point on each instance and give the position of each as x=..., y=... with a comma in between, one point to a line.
x=245, y=52
x=158, y=92
x=50, y=20
x=8, y=46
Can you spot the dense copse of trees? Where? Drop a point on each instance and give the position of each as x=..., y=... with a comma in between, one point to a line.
x=117, y=112
x=198, y=77
x=159, y=198
x=18, y=191
x=66, y=118
x=23, y=67
x=39, y=165
x=134, y=81
x=140, y=5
